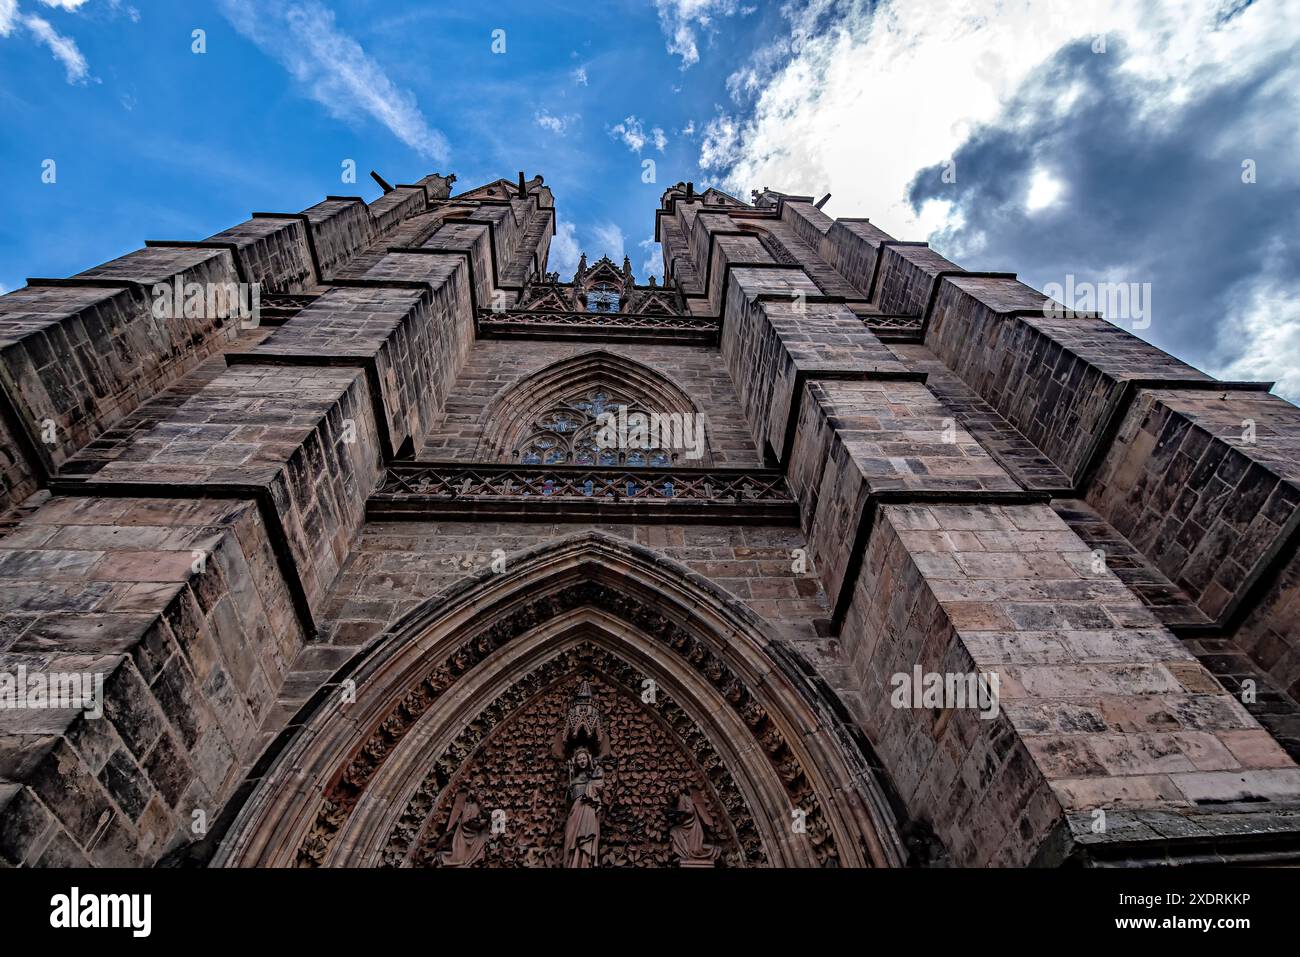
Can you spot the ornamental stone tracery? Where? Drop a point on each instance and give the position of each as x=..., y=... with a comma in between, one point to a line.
x=567, y=434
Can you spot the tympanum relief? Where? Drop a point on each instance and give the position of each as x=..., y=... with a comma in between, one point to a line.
x=584, y=775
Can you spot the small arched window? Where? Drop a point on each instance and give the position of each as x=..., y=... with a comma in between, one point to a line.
x=603, y=298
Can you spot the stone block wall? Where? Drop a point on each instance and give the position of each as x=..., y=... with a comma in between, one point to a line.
x=407, y=342
x=341, y=228
x=1101, y=708
x=273, y=252
x=859, y=442
x=1059, y=381
x=180, y=608
x=187, y=551
x=927, y=468
x=302, y=437
x=1204, y=484
x=775, y=338
x=76, y=358
x=905, y=278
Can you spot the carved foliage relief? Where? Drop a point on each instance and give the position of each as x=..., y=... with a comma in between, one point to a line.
x=522, y=786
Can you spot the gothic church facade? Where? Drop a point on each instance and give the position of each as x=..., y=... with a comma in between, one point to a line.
x=368, y=583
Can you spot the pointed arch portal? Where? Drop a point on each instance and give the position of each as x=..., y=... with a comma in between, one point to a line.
x=452, y=740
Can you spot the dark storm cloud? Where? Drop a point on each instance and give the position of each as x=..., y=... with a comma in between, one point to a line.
x=1153, y=192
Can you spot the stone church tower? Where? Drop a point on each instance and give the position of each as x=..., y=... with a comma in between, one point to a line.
x=823, y=552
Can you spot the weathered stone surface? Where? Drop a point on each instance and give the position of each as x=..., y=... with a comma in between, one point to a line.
x=305, y=438
x=1100, y=706
x=857, y=441
x=75, y=359
x=273, y=253
x=1057, y=380
x=1207, y=484
x=181, y=608
x=774, y=341
x=341, y=228
x=494, y=369
x=411, y=343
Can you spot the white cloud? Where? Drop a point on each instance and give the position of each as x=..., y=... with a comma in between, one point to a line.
x=580, y=76
x=859, y=97
x=1267, y=339
x=8, y=16
x=556, y=124
x=563, y=257
x=609, y=241
x=631, y=131
x=633, y=134
x=1263, y=336
x=689, y=129
x=64, y=48
x=333, y=69
x=822, y=108
x=1044, y=190
x=654, y=260
x=721, y=146
x=680, y=19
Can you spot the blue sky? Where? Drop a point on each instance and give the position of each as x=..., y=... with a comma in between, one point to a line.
x=1100, y=140
x=154, y=141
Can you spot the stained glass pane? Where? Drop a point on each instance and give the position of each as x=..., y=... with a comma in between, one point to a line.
x=567, y=434
x=602, y=299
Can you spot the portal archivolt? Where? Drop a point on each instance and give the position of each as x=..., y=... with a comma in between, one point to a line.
x=595, y=705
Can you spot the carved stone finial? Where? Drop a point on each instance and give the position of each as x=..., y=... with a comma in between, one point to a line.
x=584, y=726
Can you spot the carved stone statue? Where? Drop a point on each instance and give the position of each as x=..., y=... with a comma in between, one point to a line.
x=468, y=830
x=584, y=740
x=689, y=817
x=586, y=794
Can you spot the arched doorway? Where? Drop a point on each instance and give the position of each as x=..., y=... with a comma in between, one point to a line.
x=455, y=740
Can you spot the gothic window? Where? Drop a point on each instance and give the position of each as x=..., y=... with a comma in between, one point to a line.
x=572, y=432
x=603, y=298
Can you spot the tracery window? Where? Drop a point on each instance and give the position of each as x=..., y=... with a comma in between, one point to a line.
x=603, y=298
x=569, y=434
